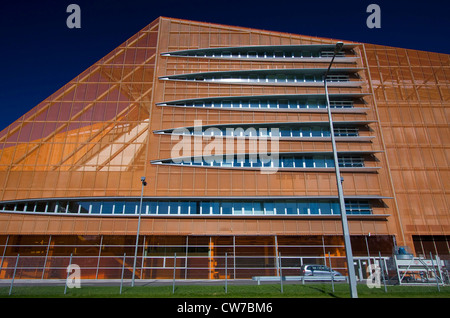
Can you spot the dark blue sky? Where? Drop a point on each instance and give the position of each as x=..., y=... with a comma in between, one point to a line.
x=40, y=54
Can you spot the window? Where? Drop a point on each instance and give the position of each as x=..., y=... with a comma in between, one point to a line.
x=227, y=208
x=216, y=207
x=163, y=207
x=291, y=208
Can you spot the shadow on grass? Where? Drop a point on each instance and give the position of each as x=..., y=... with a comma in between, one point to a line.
x=323, y=291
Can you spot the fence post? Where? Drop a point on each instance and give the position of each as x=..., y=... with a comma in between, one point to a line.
x=14, y=274
x=46, y=256
x=121, y=277
x=67, y=277
x=226, y=273
x=435, y=272
x=174, y=272
x=331, y=272
x=382, y=271
x=281, y=273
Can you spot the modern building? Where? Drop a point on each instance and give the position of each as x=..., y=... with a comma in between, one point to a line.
x=229, y=127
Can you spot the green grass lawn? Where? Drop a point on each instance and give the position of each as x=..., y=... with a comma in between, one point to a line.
x=234, y=291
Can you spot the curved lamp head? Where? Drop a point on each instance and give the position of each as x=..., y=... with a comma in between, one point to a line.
x=338, y=47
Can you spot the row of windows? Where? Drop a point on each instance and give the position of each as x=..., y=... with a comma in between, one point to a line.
x=262, y=131
x=210, y=207
x=259, y=78
x=259, y=161
x=264, y=103
x=264, y=54
x=267, y=52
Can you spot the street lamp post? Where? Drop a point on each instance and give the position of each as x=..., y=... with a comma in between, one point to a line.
x=347, y=243
x=144, y=183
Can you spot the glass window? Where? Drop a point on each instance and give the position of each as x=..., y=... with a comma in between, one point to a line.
x=298, y=162
x=238, y=207
x=288, y=162
x=306, y=132
x=130, y=208
x=291, y=208
x=271, y=78
x=283, y=103
x=253, y=78
x=303, y=207
x=149, y=207
x=95, y=207
x=254, y=103
x=309, y=162
x=215, y=207
x=85, y=206
x=320, y=162
x=281, y=78
x=258, y=208
x=280, y=207
x=163, y=207
x=291, y=78
x=107, y=207
x=173, y=207
x=279, y=54
x=325, y=208
x=314, y=208
x=227, y=207
x=73, y=207
x=316, y=131
x=335, y=208
x=248, y=207
x=205, y=207
x=226, y=103
x=285, y=132
x=295, y=132
x=269, y=208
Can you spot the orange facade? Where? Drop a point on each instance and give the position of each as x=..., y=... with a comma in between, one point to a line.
x=97, y=136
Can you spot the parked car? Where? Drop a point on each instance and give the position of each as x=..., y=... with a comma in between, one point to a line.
x=318, y=270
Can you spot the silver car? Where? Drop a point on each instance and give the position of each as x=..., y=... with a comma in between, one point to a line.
x=318, y=270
